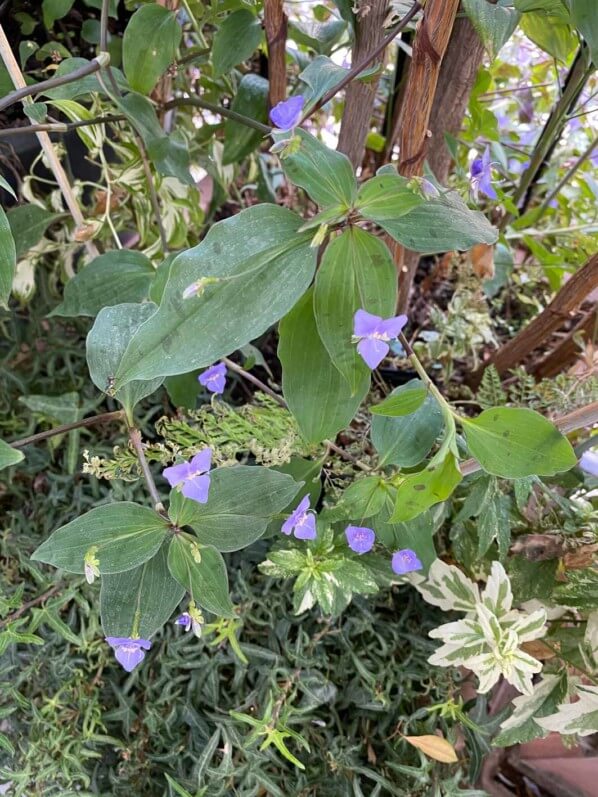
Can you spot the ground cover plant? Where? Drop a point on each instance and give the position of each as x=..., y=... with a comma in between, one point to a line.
x=299, y=469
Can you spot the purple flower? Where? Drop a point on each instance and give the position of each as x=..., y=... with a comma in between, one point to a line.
x=192, y=475
x=429, y=190
x=185, y=620
x=589, y=462
x=405, y=561
x=481, y=176
x=301, y=521
x=214, y=378
x=373, y=333
x=287, y=114
x=128, y=651
x=360, y=539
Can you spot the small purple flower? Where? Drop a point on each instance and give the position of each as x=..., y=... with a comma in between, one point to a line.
x=405, y=561
x=428, y=189
x=374, y=333
x=589, y=462
x=185, y=620
x=481, y=176
x=214, y=378
x=301, y=521
x=192, y=475
x=286, y=115
x=128, y=651
x=360, y=539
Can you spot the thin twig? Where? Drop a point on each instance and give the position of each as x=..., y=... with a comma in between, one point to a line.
x=359, y=68
x=198, y=102
x=29, y=604
x=36, y=88
x=105, y=417
x=280, y=400
x=135, y=438
x=60, y=127
x=579, y=162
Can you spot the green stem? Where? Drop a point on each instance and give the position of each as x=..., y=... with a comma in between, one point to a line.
x=579, y=162
x=198, y=102
x=68, y=427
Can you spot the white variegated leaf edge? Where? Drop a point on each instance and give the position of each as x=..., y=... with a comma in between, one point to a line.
x=526, y=706
x=569, y=717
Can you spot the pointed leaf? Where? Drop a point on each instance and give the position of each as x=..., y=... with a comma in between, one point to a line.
x=206, y=581
x=494, y=23
x=402, y=402
x=251, y=100
x=263, y=266
x=149, y=43
x=434, y=747
x=139, y=600
x=237, y=38
x=357, y=272
x=430, y=486
x=9, y=455
x=318, y=396
x=8, y=259
x=124, y=535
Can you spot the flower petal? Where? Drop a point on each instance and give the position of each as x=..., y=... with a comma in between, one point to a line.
x=129, y=656
x=201, y=462
x=365, y=323
x=392, y=327
x=176, y=474
x=360, y=538
x=305, y=529
x=287, y=114
x=197, y=488
x=373, y=351
x=405, y=561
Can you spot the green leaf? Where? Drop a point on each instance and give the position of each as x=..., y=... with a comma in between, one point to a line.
x=206, y=581
x=511, y=442
x=250, y=100
x=320, y=76
x=107, y=342
x=319, y=36
x=325, y=174
x=150, y=44
x=550, y=33
x=420, y=491
x=403, y=401
x=169, y=153
x=36, y=111
x=585, y=19
x=28, y=223
x=357, y=272
x=9, y=455
x=386, y=197
x=521, y=727
x=261, y=266
x=363, y=499
x=140, y=600
x=8, y=259
x=124, y=535
x=55, y=9
x=83, y=86
x=439, y=225
x=242, y=500
x=318, y=396
x=494, y=523
x=235, y=41
x=156, y=290
x=406, y=440
x=494, y=24
x=123, y=275
x=416, y=534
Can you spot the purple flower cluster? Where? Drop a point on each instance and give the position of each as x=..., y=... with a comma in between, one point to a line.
x=360, y=539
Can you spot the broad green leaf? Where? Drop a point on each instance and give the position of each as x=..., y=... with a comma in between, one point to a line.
x=420, y=491
x=260, y=266
x=319, y=36
x=36, y=111
x=156, y=290
x=59, y=409
x=494, y=24
x=550, y=33
x=494, y=523
x=85, y=85
x=403, y=401
x=169, y=153
x=416, y=534
x=241, y=502
x=183, y=389
x=250, y=100
x=553, y=8
x=406, y=440
x=307, y=476
x=8, y=259
x=123, y=275
x=28, y=223
x=9, y=455
x=235, y=41
x=325, y=174
x=318, y=396
x=124, y=535
x=521, y=726
x=363, y=499
x=438, y=225
x=55, y=9
x=150, y=43
x=320, y=76
x=205, y=580
x=107, y=342
x=584, y=17
x=386, y=197
x=357, y=272
x=141, y=600
x=512, y=442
